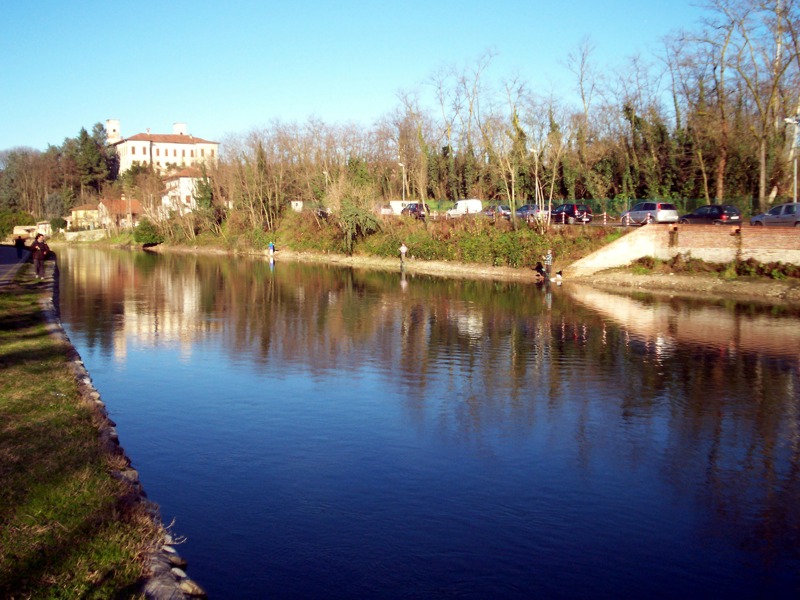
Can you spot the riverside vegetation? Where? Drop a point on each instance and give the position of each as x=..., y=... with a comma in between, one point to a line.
x=67, y=528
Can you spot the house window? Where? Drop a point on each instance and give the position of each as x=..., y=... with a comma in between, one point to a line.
x=174, y=152
x=158, y=152
x=212, y=154
x=133, y=149
x=202, y=151
x=183, y=153
x=191, y=153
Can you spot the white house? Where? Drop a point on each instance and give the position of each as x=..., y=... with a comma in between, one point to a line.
x=179, y=192
x=162, y=150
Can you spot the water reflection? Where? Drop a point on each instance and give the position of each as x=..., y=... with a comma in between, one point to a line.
x=499, y=438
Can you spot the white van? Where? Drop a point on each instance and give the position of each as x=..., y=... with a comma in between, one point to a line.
x=465, y=207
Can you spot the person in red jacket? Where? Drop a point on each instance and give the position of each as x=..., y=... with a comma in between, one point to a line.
x=39, y=252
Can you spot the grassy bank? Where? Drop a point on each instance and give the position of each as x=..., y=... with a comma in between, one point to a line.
x=68, y=529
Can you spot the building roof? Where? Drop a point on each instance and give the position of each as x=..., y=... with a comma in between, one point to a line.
x=85, y=207
x=163, y=138
x=120, y=207
x=190, y=172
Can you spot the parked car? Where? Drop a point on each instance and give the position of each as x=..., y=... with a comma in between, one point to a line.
x=650, y=212
x=571, y=213
x=783, y=215
x=530, y=211
x=461, y=208
x=497, y=210
x=713, y=214
x=418, y=210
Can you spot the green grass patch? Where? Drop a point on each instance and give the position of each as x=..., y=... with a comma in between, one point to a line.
x=67, y=527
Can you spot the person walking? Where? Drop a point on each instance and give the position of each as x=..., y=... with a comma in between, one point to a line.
x=19, y=244
x=39, y=252
x=403, y=250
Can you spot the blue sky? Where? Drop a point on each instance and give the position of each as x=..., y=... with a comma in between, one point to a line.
x=229, y=67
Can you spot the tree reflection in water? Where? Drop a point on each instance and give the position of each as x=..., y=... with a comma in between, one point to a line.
x=695, y=398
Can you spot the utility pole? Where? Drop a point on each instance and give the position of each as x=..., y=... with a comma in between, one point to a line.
x=795, y=122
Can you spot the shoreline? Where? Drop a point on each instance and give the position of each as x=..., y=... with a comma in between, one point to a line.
x=691, y=286
x=166, y=578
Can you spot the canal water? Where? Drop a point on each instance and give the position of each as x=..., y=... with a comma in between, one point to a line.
x=319, y=432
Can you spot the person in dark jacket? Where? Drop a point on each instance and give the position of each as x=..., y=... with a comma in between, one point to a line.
x=19, y=244
x=39, y=252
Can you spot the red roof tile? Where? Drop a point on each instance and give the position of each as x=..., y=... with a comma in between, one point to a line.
x=120, y=207
x=163, y=138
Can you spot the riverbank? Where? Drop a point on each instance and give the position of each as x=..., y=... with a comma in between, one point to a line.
x=74, y=519
x=700, y=285
x=703, y=286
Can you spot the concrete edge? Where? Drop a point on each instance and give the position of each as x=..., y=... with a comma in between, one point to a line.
x=167, y=579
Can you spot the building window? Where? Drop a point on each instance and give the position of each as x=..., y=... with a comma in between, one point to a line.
x=133, y=149
x=202, y=151
x=158, y=152
x=174, y=152
x=191, y=153
x=212, y=154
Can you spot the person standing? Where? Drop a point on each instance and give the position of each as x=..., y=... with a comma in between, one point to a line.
x=548, y=262
x=39, y=252
x=19, y=244
x=403, y=250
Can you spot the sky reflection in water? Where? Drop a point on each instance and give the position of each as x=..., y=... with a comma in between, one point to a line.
x=320, y=432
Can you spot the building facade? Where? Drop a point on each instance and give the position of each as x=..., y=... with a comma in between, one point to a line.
x=124, y=213
x=85, y=216
x=163, y=151
x=179, y=192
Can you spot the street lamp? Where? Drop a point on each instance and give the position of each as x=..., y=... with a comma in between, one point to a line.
x=796, y=122
x=404, y=181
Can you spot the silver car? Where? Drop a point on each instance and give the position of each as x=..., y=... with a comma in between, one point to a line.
x=650, y=212
x=783, y=215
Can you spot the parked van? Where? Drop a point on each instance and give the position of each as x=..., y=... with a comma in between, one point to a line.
x=464, y=207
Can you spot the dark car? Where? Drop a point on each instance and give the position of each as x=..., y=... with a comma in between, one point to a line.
x=416, y=210
x=713, y=214
x=571, y=213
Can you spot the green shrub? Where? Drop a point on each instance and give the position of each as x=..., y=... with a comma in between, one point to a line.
x=8, y=219
x=147, y=233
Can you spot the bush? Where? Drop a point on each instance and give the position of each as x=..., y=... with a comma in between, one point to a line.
x=57, y=224
x=9, y=219
x=146, y=233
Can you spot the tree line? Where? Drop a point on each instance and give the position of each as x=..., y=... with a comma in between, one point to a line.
x=703, y=118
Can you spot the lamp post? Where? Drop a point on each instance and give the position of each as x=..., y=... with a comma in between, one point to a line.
x=795, y=121
x=404, y=181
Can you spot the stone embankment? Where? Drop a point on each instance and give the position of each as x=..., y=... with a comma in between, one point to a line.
x=710, y=243
x=167, y=576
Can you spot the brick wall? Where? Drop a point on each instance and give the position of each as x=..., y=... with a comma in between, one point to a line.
x=711, y=243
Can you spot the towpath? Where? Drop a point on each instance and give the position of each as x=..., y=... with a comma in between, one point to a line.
x=9, y=263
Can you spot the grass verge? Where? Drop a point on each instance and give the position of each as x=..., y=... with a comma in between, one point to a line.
x=68, y=529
